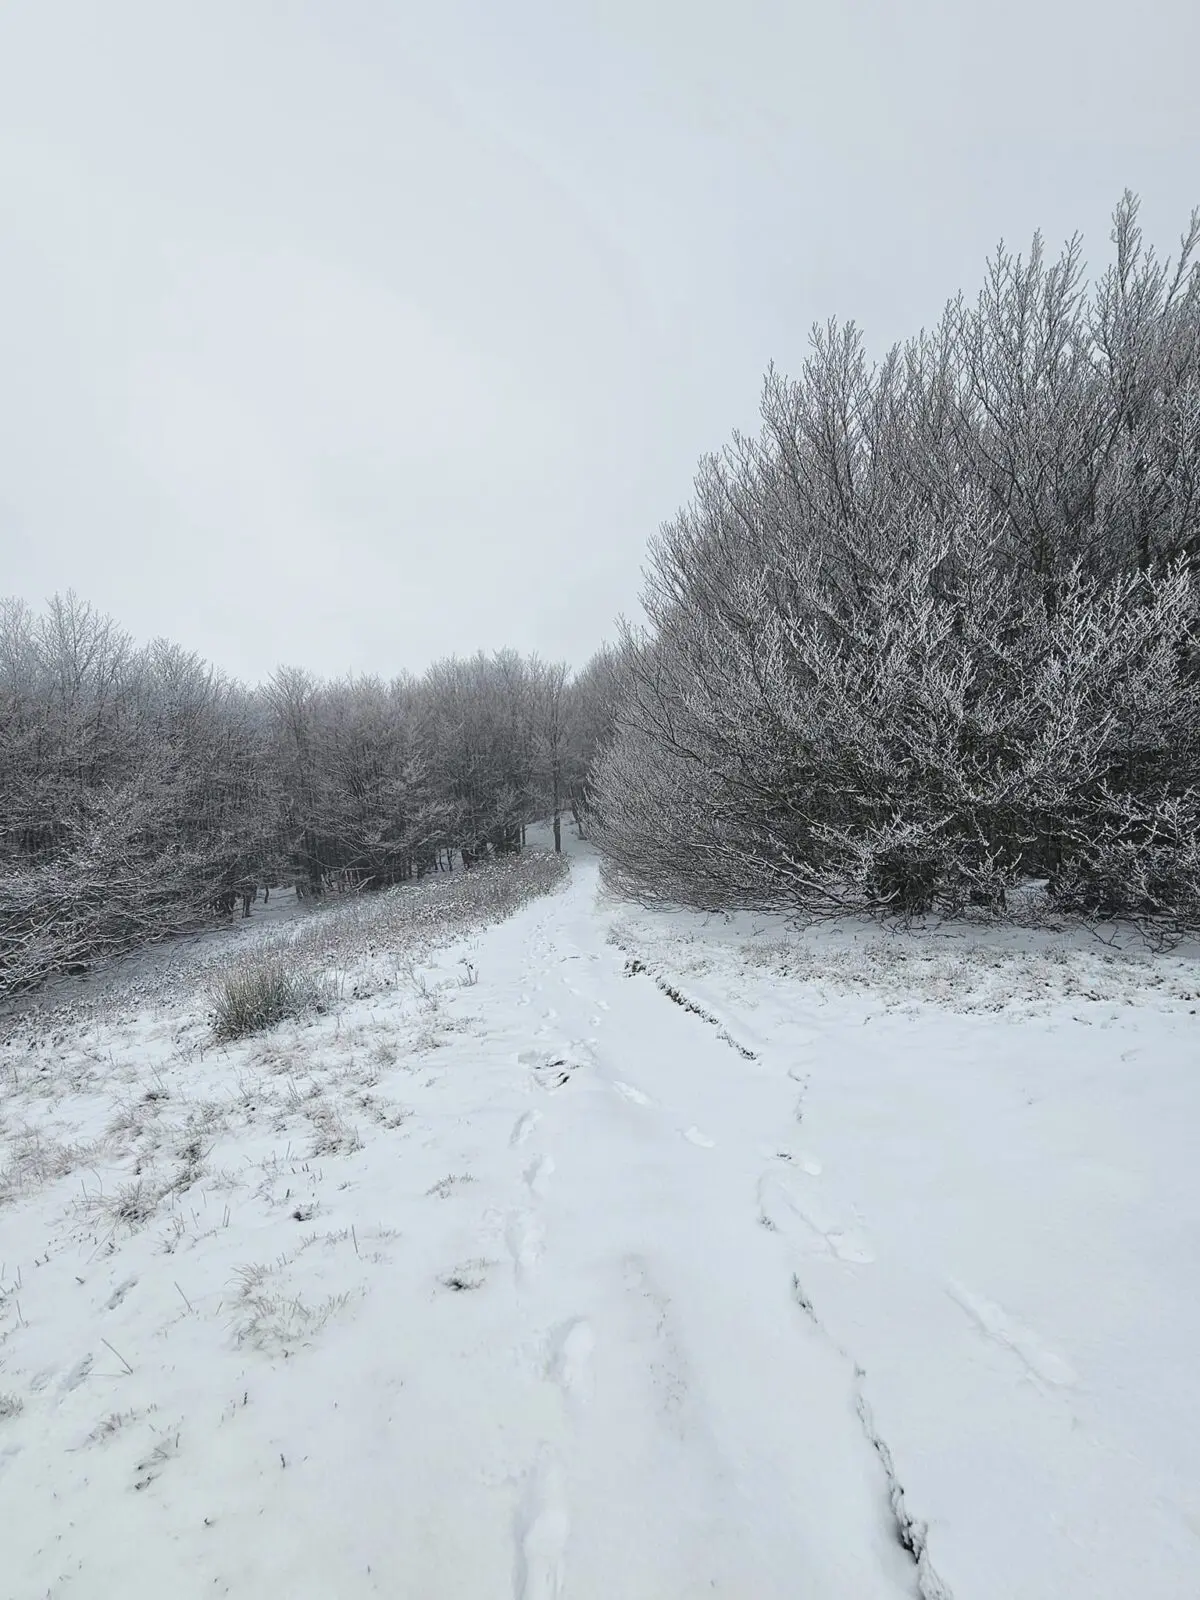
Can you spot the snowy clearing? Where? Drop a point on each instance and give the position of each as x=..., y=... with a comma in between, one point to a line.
x=600, y=1253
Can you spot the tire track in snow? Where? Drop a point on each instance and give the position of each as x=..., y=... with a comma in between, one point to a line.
x=912, y=1534
x=847, y=1245
x=635, y=966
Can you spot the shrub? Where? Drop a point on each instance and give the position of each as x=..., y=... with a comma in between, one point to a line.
x=934, y=633
x=262, y=992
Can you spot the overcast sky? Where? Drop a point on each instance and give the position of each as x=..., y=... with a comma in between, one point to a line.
x=355, y=333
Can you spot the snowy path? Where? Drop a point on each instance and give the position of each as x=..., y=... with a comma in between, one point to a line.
x=695, y=1433
x=582, y=1309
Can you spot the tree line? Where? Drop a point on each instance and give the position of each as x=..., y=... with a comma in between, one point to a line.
x=140, y=788
x=932, y=634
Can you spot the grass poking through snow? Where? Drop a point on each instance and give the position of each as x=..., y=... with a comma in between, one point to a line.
x=263, y=991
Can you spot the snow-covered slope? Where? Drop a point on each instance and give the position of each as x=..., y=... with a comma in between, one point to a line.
x=617, y=1255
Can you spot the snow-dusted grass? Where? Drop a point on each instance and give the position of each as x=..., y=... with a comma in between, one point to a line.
x=372, y=932
x=592, y=1253
x=962, y=967
x=263, y=991
x=132, y=1111
x=375, y=934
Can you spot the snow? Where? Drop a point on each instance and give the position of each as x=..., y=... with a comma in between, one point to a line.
x=608, y=1253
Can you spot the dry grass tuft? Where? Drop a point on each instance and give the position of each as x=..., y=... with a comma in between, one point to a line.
x=262, y=991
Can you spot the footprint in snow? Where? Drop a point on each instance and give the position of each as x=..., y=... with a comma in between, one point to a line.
x=524, y=1126
x=634, y=1096
x=523, y=1237
x=998, y=1325
x=784, y=1204
x=537, y=1175
x=541, y=1530
x=570, y=1363
x=694, y=1136
x=119, y=1294
x=807, y=1163
x=548, y=1069
x=81, y=1369
x=664, y=1359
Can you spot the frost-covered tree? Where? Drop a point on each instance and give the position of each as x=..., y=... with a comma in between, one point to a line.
x=934, y=630
x=129, y=789
x=592, y=699
x=139, y=789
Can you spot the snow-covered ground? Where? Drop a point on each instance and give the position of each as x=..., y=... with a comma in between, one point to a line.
x=603, y=1253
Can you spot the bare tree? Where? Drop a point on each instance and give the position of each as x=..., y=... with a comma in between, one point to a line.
x=548, y=684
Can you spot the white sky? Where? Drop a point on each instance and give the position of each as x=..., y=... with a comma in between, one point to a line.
x=354, y=333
